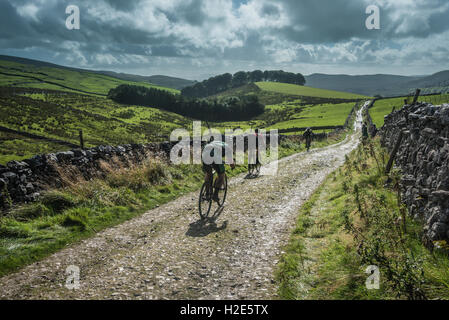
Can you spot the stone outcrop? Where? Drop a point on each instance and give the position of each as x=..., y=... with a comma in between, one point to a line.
x=423, y=158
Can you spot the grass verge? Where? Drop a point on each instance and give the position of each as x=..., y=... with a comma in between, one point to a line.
x=351, y=222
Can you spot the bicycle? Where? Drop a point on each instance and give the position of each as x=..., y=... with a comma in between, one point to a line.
x=205, y=199
x=254, y=168
x=308, y=143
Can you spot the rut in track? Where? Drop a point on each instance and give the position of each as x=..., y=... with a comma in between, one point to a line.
x=168, y=253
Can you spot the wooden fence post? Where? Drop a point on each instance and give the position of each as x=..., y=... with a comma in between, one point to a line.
x=393, y=153
x=81, y=139
x=417, y=92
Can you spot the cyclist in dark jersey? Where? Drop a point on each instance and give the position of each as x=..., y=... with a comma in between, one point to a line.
x=218, y=167
x=308, y=135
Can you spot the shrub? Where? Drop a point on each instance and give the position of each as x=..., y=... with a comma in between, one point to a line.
x=157, y=173
x=76, y=218
x=57, y=201
x=9, y=228
x=30, y=212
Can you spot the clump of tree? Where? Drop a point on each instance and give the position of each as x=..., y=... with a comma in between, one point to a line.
x=226, y=109
x=227, y=81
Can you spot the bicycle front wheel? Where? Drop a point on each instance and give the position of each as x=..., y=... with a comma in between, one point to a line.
x=223, y=192
x=204, y=202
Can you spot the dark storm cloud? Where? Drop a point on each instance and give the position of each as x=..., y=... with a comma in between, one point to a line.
x=11, y=24
x=262, y=31
x=189, y=12
x=270, y=10
x=330, y=21
x=123, y=5
x=325, y=21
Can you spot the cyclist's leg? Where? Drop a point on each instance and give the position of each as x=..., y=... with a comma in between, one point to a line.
x=207, y=177
x=220, y=168
x=251, y=160
x=258, y=164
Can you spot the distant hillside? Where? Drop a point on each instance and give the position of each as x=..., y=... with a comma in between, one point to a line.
x=158, y=80
x=36, y=63
x=438, y=82
x=27, y=73
x=224, y=82
x=307, y=91
x=383, y=84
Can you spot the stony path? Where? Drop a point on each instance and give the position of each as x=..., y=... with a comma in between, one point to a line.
x=168, y=253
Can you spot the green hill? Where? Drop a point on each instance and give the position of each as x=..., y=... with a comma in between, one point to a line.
x=383, y=107
x=54, y=102
x=386, y=85
x=15, y=74
x=60, y=115
x=304, y=91
x=159, y=80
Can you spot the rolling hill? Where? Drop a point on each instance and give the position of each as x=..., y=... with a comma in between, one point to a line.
x=380, y=84
x=52, y=103
x=306, y=91
x=15, y=74
x=156, y=80
x=160, y=80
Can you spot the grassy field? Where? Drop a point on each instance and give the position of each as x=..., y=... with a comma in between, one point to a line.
x=353, y=221
x=384, y=107
x=292, y=89
x=318, y=115
x=293, y=114
x=284, y=111
x=68, y=101
x=62, y=115
x=24, y=75
x=17, y=147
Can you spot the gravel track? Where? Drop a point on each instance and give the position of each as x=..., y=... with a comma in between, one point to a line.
x=168, y=253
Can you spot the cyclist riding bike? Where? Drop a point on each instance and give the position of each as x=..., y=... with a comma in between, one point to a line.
x=308, y=135
x=218, y=166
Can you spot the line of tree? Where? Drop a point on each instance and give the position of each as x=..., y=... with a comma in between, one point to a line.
x=226, y=109
x=228, y=81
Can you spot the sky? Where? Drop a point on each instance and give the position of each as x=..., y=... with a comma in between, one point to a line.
x=196, y=39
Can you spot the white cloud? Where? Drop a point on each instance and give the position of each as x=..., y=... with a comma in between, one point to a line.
x=29, y=10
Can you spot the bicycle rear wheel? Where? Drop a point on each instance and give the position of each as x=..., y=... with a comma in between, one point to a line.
x=204, y=202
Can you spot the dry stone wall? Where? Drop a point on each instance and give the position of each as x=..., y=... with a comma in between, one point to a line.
x=423, y=158
x=23, y=181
